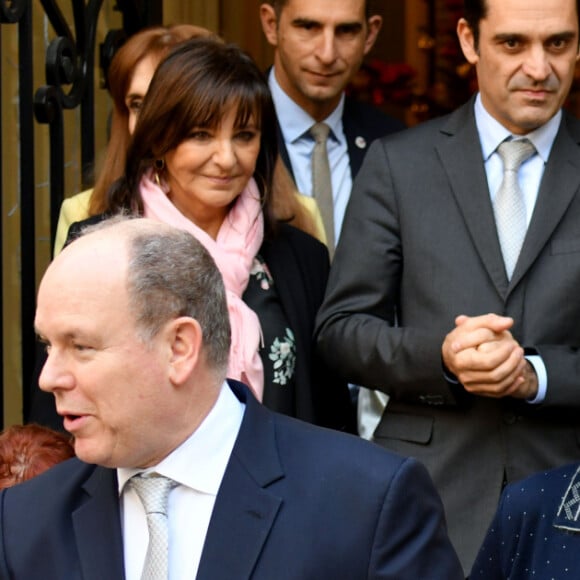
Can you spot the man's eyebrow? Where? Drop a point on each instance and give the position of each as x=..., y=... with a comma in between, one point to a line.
x=354, y=25
x=564, y=35
x=504, y=36
x=300, y=21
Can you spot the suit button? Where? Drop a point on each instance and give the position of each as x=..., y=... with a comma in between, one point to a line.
x=434, y=400
x=509, y=418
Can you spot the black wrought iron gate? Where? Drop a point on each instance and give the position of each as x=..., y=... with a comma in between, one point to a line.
x=69, y=60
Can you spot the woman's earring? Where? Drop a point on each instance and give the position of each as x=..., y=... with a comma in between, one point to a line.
x=159, y=166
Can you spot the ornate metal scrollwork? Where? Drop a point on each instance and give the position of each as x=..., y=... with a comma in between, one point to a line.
x=11, y=11
x=63, y=68
x=69, y=67
x=69, y=60
x=47, y=105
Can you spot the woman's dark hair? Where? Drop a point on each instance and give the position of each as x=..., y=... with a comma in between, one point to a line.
x=153, y=43
x=193, y=87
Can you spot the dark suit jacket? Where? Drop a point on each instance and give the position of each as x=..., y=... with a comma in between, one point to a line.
x=536, y=530
x=297, y=502
x=362, y=124
x=418, y=247
x=299, y=266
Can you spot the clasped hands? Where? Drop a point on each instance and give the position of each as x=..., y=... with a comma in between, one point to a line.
x=486, y=359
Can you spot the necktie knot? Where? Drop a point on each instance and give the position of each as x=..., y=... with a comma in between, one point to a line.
x=153, y=491
x=513, y=153
x=320, y=132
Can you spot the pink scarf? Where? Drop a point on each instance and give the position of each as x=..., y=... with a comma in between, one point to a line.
x=238, y=241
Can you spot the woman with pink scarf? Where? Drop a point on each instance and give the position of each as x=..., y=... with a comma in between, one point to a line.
x=202, y=159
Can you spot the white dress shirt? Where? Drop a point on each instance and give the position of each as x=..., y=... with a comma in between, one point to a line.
x=491, y=134
x=198, y=465
x=295, y=125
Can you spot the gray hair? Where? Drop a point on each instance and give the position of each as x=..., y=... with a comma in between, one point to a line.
x=171, y=274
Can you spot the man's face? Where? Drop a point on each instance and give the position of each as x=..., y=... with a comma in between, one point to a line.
x=319, y=45
x=525, y=59
x=111, y=389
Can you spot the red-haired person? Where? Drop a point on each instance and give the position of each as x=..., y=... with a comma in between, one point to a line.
x=28, y=450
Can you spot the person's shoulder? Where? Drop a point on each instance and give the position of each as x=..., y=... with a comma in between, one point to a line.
x=301, y=243
x=316, y=447
x=421, y=140
x=544, y=484
x=77, y=227
x=294, y=235
x=58, y=481
x=78, y=204
x=375, y=119
x=90, y=221
x=527, y=501
x=298, y=253
x=572, y=124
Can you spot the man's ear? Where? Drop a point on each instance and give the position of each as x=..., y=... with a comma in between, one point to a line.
x=467, y=41
x=269, y=23
x=186, y=341
x=374, y=24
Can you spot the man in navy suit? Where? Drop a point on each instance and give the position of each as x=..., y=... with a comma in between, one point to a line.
x=137, y=332
x=319, y=46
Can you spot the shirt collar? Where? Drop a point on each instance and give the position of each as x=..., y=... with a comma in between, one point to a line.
x=492, y=132
x=201, y=460
x=294, y=121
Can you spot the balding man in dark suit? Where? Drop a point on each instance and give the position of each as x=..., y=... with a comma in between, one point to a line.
x=137, y=358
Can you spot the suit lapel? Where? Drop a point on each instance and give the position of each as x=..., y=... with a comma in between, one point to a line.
x=462, y=159
x=559, y=185
x=245, y=509
x=356, y=140
x=97, y=528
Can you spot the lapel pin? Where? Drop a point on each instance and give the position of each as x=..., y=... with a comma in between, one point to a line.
x=360, y=142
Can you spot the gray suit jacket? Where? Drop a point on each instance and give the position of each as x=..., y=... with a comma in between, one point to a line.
x=419, y=239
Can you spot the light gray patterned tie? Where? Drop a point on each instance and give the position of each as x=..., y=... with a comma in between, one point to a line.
x=321, y=182
x=509, y=208
x=153, y=491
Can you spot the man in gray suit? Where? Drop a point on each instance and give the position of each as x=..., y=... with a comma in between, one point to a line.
x=479, y=357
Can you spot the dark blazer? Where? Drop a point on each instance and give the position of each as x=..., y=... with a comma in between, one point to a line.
x=362, y=124
x=296, y=502
x=536, y=530
x=299, y=266
x=418, y=247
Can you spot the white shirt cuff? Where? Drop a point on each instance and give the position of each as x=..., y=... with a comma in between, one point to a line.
x=542, y=375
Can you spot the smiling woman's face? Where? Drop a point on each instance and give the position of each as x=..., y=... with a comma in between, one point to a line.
x=207, y=171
